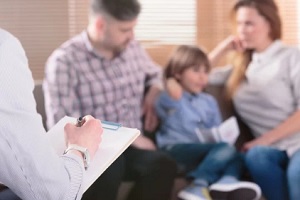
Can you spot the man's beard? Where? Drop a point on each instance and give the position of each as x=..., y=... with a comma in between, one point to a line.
x=119, y=49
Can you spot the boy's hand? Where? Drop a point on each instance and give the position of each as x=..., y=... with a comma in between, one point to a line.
x=173, y=88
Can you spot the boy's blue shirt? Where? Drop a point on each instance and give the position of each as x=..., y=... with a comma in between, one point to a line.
x=180, y=118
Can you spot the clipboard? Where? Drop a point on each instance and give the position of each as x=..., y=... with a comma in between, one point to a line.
x=115, y=140
x=110, y=125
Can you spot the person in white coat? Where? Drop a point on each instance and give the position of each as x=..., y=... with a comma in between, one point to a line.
x=30, y=168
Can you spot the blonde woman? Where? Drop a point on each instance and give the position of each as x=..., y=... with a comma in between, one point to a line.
x=264, y=84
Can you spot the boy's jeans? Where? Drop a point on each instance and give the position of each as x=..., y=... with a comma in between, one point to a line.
x=207, y=161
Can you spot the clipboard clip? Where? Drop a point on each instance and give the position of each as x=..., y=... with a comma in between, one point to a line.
x=110, y=125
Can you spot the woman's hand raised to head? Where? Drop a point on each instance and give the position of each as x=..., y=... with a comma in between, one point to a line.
x=231, y=43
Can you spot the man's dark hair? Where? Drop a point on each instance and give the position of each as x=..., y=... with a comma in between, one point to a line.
x=122, y=10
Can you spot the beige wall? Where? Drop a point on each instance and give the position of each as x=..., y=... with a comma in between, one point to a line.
x=43, y=25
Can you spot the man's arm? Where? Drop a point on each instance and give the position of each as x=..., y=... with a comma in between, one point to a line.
x=154, y=82
x=150, y=117
x=59, y=88
x=29, y=166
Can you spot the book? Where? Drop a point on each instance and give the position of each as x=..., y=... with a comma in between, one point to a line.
x=227, y=132
x=115, y=140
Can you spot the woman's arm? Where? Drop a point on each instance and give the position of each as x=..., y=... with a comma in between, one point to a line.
x=227, y=45
x=285, y=129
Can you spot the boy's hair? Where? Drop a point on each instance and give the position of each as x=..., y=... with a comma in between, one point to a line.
x=185, y=57
x=122, y=10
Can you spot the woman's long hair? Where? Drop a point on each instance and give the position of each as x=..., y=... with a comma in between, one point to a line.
x=267, y=9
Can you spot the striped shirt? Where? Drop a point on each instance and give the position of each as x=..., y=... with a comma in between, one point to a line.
x=28, y=164
x=80, y=81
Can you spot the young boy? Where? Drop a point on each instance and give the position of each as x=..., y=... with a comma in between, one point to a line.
x=183, y=109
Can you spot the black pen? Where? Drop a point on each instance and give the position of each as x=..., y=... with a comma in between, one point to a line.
x=80, y=121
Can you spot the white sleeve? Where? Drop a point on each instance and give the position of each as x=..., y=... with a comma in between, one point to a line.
x=219, y=75
x=294, y=69
x=29, y=166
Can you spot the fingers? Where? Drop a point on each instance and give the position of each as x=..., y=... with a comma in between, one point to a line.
x=69, y=127
x=90, y=125
x=233, y=43
x=238, y=45
x=86, y=119
x=83, y=120
x=90, y=121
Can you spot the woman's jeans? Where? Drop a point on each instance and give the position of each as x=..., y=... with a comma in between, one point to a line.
x=276, y=173
x=207, y=162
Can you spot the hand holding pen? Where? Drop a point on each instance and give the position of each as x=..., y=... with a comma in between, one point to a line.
x=86, y=133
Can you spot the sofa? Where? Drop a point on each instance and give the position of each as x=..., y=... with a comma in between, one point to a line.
x=226, y=110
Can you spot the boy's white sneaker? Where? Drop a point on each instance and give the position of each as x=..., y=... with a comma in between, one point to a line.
x=239, y=190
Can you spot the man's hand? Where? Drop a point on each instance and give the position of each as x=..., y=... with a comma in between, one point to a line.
x=143, y=142
x=150, y=117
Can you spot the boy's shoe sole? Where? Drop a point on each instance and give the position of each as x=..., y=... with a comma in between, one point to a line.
x=189, y=196
x=235, y=191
